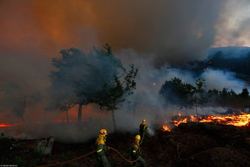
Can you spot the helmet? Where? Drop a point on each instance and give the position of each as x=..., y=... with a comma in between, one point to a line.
x=103, y=132
x=137, y=138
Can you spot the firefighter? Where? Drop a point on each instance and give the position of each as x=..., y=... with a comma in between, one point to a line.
x=101, y=149
x=143, y=130
x=136, y=153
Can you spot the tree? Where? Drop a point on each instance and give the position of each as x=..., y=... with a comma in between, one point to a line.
x=177, y=92
x=115, y=93
x=199, y=96
x=244, y=93
x=79, y=77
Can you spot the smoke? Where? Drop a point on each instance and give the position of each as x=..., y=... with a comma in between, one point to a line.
x=173, y=31
x=24, y=82
x=233, y=24
x=229, y=52
x=80, y=75
x=145, y=103
x=217, y=79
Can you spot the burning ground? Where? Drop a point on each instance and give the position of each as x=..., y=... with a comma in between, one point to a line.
x=189, y=144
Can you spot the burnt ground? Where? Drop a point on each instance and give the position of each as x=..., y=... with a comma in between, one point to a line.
x=191, y=144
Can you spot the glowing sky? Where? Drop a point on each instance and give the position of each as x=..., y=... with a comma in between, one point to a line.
x=46, y=26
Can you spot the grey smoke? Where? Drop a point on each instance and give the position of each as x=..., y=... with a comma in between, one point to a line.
x=144, y=104
x=233, y=24
x=173, y=31
x=24, y=82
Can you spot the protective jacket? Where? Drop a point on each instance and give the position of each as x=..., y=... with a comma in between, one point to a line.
x=101, y=150
x=136, y=155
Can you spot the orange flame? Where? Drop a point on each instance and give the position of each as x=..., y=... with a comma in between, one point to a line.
x=234, y=120
x=5, y=125
x=166, y=128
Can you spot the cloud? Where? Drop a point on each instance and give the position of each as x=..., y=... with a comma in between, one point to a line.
x=218, y=79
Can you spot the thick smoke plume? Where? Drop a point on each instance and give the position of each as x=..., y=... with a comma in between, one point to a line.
x=171, y=30
x=232, y=28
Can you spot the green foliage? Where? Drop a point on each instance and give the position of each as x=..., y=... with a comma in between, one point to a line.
x=78, y=77
x=99, y=77
x=199, y=85
x=177, y=92
x=244, y=93
x=114, y=94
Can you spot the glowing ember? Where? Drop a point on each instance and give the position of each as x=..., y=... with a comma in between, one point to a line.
x=166, y=128
x=5, y=125
x=234, y=120
x=178, y=122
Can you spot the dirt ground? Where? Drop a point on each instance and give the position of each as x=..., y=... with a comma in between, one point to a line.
x=192, y=144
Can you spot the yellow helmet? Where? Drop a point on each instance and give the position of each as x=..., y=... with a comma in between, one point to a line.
x=137, y=138
x=103, y=132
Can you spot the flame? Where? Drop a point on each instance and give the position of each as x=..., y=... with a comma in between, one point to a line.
x=166, y=128
x=234, y=120
x=178, y=122
x=5, y=125
x=179, y=114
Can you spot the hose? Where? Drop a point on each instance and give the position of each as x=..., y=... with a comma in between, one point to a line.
x=68, y=161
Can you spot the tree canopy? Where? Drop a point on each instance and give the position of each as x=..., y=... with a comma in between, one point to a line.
x=176, y=92
x=80, y=78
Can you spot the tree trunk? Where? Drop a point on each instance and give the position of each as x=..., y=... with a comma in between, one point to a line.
x=196, y=111
x=67, y=116
x=113, y=119
x=196, y=105
x=80, y=113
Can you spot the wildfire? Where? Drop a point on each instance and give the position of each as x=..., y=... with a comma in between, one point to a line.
x=234, y=120
x=5, y=125
x=166, y=128
x=178, y=122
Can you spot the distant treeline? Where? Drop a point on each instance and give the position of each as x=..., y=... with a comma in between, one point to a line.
x=177, y=92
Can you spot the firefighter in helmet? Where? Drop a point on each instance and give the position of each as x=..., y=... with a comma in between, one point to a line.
x=136, y=153
x=101, y=149
x=143, y=129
